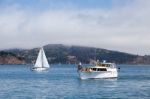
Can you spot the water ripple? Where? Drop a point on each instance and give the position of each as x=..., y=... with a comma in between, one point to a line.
x=63, y=83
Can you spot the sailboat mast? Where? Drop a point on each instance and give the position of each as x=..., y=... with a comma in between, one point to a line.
x=42, y=57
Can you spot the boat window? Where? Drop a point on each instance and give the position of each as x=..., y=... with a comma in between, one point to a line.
x=101, y=69
x=103, y=64
x=98, y=69
x=94, y=69
x=111, y=66
x=108, y=65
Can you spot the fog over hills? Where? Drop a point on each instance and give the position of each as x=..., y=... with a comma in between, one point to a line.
x=58, y=53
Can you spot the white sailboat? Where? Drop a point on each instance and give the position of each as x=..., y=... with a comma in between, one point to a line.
x=41, y=62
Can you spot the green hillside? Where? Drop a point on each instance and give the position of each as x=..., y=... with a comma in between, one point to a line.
x=58, y=53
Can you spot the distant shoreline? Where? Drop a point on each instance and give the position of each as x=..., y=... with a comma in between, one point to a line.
x=59, y=53
x=76, y=64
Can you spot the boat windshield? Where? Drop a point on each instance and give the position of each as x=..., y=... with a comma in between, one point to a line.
x=111, y=65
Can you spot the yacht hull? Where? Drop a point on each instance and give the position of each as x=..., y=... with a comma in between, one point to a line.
x=39, y=69
x=98, y=74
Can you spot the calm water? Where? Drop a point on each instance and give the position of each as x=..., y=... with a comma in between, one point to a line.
x=62, y=82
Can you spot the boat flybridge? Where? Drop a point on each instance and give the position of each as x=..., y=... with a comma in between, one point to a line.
x=100, y=70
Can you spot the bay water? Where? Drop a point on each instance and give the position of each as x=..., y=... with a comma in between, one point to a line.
x=62, y=82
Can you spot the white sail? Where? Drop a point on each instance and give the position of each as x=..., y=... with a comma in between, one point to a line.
x=45, y=62
x=41, y=60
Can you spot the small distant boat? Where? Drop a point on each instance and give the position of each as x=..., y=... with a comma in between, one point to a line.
x=41, y=62
x=100, y=70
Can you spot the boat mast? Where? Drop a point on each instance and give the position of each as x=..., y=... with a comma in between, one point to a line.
x=42, y=56
x=95, y=55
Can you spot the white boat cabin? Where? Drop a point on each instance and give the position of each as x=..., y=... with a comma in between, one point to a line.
x=99, y=67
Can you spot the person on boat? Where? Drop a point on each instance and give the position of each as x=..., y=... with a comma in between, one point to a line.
x=80, y=66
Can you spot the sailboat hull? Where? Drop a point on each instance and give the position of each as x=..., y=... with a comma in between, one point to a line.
x=39, y=69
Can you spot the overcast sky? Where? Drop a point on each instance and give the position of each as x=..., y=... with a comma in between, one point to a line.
x=122, y=25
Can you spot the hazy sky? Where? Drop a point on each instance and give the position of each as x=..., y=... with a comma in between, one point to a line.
x=122, y=25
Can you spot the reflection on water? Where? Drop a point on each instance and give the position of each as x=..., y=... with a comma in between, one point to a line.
x=18, y=82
